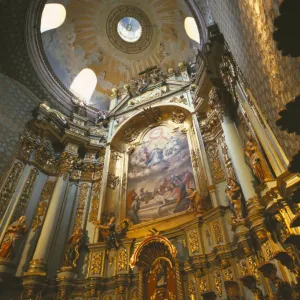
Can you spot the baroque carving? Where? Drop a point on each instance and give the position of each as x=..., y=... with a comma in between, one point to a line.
x=203, y=285
x=95, y=201
x=43, y=205
x=115, y=155
x=217, y=232
x=194, y=241
x=9, y=186
x=122, y=261
x=131, y=134
x=178, y=116
x=112, y=181
x=14, y=232
x=181, y=99
x=96, y=263
x=253, y=267
x=218, y=282
x=213, y=155
x=228, y=274
x=257, y=161
x=151, y=115
x=66, y=162
x=192, y=289
x=26, y=194
x=234, y=193
x=84, y=188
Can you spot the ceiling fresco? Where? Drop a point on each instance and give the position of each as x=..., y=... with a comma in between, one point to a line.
x=89, y=39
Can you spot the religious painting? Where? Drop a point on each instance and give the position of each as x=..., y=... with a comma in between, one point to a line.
x=160, y=176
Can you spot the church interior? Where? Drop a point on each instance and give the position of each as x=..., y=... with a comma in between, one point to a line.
x=149, y=149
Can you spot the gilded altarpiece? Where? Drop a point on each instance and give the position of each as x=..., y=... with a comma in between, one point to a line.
x=158, y=165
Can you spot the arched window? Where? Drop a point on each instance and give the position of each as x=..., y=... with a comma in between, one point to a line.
x=191, y=29
x=53, y=16
x=84, y=84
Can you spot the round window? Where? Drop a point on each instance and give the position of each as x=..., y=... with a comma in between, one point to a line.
x=129, y=29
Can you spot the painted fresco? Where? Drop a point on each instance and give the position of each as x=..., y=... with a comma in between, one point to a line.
x=160, y=175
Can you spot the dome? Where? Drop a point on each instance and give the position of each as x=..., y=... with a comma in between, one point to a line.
x=116, y=40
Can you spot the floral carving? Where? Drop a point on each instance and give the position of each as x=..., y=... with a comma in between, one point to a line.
x=178, y=116
x=96, y=263
x=10, y=186
x=43, y=205
x=84, y=188
x=217, y=232
x=95, y=201
x=26, y=194
x=123, y=258
x=218, y=282
x=130, y=134
x=228, y=274
x=112, y=181
x=194, y=241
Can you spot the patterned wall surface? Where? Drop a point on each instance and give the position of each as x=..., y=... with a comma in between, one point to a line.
x=273, y=79
x=16, y=105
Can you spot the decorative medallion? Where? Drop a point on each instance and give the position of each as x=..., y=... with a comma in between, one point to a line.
x=127, y=11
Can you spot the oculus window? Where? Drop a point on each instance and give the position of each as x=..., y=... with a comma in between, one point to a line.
x=129, y=29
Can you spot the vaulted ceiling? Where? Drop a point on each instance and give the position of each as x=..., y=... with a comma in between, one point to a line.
x=88, y=39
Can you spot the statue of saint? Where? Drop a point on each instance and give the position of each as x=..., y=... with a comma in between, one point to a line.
x=73, y=246
x=257, y=161
x=14, y=232
x=161, y=271
x=233, y=191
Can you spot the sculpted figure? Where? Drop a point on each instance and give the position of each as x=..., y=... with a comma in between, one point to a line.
x=14, y=232
x=55, y=113
x=257, y=161
x=72, y=252
x=108, y=231
x=233, y=191
x=197, y=202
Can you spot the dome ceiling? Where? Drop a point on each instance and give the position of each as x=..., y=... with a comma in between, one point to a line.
x=89, y=38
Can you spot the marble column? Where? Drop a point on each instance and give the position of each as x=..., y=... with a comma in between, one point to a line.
x=236, y=152
x=43, y=247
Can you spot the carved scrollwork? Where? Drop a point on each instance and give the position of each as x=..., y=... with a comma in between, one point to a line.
x=123, y=260
x=26, y=194
x=43, y=205
x=218, y=282
x=95, y=202
x=112, y=181
x=96, y=263
x=10, y=186
x=84, y=188
x=194, y=241
x=178, y=116
x=130, y=134
x=217, y=232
